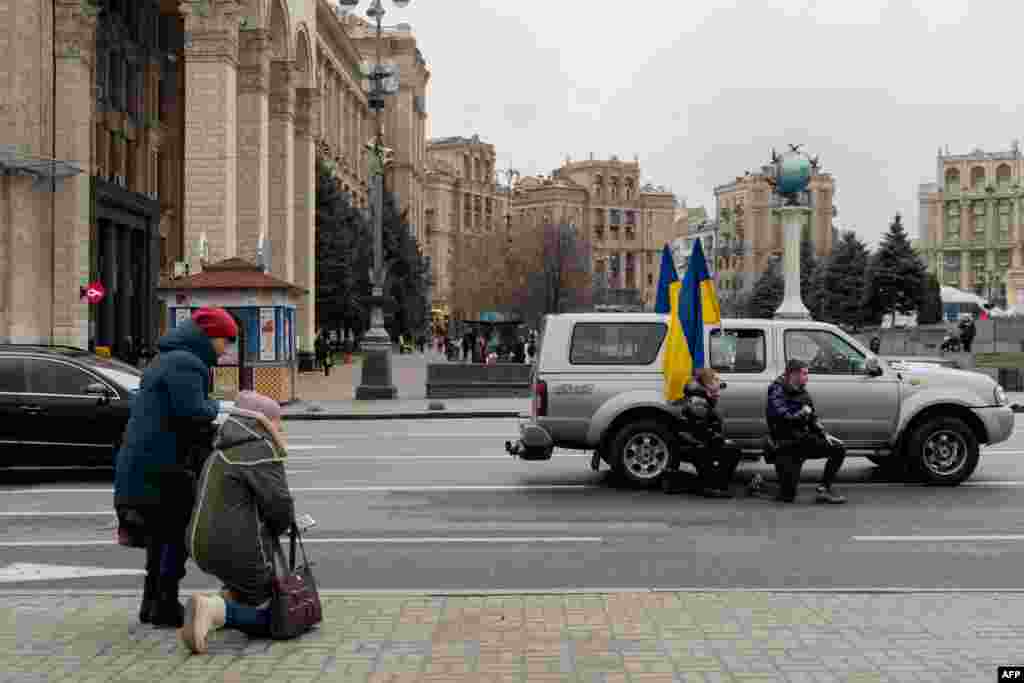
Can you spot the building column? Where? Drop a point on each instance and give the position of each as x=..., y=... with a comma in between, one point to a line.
x=75, y=57
x=307, y=115
x=281, y=173
x=210, y=142
x=253, y=140
x=622, y=270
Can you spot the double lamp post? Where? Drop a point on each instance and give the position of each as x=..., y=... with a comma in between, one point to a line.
x=381, y=81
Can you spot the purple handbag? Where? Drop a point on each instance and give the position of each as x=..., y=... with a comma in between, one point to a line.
x=294, y=602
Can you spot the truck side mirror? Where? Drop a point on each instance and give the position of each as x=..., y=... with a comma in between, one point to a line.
x=872, y=367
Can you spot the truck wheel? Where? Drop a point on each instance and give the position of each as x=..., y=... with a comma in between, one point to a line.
x=641, y=452
x=943, y=451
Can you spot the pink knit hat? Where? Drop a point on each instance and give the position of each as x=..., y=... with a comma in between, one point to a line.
x=258, y=403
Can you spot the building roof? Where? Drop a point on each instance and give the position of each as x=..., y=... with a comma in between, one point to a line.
x=233, y=273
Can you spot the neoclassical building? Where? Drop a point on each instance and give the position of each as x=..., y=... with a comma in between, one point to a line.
x=140, y=139
x=466, y=221
x=972, y=223
x=624, y=223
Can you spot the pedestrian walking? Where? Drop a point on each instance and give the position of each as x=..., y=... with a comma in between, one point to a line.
x=798, y=436
x=967, y=333
x=169, y=433
x=242, y=507
x=703, y=431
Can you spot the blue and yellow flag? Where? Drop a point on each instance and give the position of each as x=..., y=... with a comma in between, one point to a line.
x=666, y=277
x=694, y=304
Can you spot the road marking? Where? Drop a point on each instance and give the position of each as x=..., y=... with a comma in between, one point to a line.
x=410, y=540
x=942, y=539
x=363, y=436
x=360, y=489
x=568, y=590
x=20, y=571
x=35, y=513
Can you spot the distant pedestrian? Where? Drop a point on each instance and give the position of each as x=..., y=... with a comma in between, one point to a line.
x=243, y=506
x=169, y=433
x=320, y=349
x=967, y=333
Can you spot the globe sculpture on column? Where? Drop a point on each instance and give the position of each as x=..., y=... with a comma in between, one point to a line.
x=791, y=179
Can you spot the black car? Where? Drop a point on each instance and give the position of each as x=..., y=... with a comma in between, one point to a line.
x=62, y=406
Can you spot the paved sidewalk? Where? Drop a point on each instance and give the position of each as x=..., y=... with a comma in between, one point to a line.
x=649, y=636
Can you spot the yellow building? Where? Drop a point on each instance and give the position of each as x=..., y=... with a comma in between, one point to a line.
x=971, y=223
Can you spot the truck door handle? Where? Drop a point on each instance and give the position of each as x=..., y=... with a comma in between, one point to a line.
x=31, y=409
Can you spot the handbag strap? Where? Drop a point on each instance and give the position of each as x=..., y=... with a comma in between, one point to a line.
x=296, y=539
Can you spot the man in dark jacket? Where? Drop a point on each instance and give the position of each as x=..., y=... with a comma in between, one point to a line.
x=703, y=430
x=169, y=433
x=242, y=508
x=967, y=333
x=799, y=435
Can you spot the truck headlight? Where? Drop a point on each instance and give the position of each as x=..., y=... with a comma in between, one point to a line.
x=1000, y=395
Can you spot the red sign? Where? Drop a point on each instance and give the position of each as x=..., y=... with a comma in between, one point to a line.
x=94, y=293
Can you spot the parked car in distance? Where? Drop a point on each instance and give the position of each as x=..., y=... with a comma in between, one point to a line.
x=598, y=385
x=62, y=406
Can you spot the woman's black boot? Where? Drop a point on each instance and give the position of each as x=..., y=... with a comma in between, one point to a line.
x=167, y=611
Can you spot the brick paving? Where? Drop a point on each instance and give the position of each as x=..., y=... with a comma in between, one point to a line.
x=634, y=637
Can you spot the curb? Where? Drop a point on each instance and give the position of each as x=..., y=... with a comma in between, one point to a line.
x=419, y=415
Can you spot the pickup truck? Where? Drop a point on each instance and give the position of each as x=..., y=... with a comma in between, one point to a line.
x=597, y=385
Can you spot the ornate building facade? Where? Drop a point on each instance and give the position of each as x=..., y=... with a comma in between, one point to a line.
x=972, y=223
x=624, y=224
x=181, y=132
x=466, y=227
x=750, y=231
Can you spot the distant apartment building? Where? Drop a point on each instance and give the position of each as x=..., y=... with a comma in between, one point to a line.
x=623, y=222
x=750, y=231
x=970, y=223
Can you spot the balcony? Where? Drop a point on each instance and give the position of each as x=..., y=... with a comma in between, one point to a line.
x=630, y=234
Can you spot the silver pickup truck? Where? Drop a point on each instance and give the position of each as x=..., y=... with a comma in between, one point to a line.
x=598, y=385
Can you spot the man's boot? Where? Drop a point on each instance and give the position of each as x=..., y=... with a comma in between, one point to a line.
x=827, y=495
x=167, y=611
x=148, y=597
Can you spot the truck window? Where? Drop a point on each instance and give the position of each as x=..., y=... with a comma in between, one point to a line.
x=616, y=343
x=824, y=352
x=737, y=351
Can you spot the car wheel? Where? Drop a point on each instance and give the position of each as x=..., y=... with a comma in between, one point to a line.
x=943, y=451
x=641, y=452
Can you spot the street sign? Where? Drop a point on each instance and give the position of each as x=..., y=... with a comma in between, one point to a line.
x=94, y=292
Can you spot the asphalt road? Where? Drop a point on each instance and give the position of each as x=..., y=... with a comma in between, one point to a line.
x=438, y=505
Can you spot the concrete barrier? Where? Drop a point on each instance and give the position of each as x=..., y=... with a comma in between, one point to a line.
x=474, y=380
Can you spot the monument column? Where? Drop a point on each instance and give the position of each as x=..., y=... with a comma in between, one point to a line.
x=253, y=140
x=793, y=220
x=74, y=52
x=307, y=115
x=211, y=142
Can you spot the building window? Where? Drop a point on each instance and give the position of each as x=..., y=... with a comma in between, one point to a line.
x=953, y=182
x=650, y=278
x=977, y=179
x=978, y=263
x=979, y=220
x=1004, y=221
x=650, y=258
x=1004, y=258
x=614, y=216
x=631, y=218
x=1003, y=178
x=953, y=221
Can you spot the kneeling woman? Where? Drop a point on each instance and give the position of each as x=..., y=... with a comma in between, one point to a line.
x=242, y=507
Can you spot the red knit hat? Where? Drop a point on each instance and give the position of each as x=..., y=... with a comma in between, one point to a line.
x=216, y=322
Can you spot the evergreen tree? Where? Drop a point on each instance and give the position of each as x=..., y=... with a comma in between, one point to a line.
x=343, y=258
x=408, y=272
x=930, y=311
x=843, y=282
x=897, y=275
x=808, y=268
x=768, y=292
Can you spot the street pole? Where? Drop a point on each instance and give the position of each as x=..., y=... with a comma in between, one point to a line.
x=375, y=382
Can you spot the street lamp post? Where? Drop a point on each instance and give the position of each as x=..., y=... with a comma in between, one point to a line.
x=511, y=176
x=989, y=281
x=375, y=382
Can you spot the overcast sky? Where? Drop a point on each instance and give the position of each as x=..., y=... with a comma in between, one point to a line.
x=701, y=90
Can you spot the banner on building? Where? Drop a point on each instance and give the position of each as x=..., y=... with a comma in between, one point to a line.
x=268, y=333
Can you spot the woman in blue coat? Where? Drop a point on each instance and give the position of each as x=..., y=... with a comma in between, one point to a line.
x=169, y=433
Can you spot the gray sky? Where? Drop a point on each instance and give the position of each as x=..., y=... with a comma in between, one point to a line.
x=703, y=89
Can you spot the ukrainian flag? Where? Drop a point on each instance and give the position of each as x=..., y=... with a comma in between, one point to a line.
x=666, y=277
x=694, y=304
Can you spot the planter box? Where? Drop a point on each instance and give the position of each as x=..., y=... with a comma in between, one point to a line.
x=456, y=380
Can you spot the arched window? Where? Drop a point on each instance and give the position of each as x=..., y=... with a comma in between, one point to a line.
x=1003, y=177
x=598, y=186
x=977, y=178
x=630, y=189
x=952, y=181
x=615, y=189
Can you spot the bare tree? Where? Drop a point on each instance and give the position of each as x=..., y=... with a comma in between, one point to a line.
x=551, y=272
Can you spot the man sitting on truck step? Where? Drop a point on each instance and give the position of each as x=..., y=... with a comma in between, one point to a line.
x=703, y=430
x=799, y=435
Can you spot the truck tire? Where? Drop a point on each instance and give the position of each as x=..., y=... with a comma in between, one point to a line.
x=640, y=452
x=943, y=451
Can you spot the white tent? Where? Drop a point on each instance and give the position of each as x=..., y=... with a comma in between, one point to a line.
x=952, y=295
